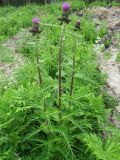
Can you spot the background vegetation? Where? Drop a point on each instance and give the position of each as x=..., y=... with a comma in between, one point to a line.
x=21, y=2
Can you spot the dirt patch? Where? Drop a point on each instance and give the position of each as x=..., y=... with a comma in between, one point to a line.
x=110, y=66
x=8, y=69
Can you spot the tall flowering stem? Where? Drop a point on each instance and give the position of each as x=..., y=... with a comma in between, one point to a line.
x=60, y=69
x=35, y=31
x=76, y=28
x=37, y=61
x=73, y=70
x=64, y=19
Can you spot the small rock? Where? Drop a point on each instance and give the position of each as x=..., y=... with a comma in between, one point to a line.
x=118, y=108
x=119, y=67
x=80, y=14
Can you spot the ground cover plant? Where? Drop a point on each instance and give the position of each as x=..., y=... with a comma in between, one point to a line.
x=63, y=116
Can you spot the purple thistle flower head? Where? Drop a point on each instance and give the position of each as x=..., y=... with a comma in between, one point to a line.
x=35, y=28
x=65, y=6
x=36, y=20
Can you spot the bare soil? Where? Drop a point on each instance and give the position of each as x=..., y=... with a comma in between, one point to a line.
x=110, y=66
x=8, y=69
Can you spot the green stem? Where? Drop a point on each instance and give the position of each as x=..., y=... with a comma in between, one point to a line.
x=73, y=70
x=60, y=70
x=38, y=64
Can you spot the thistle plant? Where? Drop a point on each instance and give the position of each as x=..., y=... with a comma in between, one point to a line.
x=77, y=27
x=35, y=31
x=65, y=13
x=64, y=19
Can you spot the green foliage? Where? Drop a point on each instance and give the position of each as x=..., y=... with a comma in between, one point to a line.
x=30, y=128
x=78, y=6
x=16, y=19
x=103, y=150
x=104, y=3
x=37, y=133
x=102, y=30
x=91, y=33
x=109, y=101
x=107, y=43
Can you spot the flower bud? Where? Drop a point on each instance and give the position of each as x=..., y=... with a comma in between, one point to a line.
x=65, y=7
x=36, y=21
x=78, y=24
x=35, y=29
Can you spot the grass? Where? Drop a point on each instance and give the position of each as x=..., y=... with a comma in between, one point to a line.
x=29, y=116
x=11, y=23
x=6, y=55
x=104, y=3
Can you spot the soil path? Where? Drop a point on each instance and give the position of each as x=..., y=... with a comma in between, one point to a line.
x=110, y=66
x=8, y=69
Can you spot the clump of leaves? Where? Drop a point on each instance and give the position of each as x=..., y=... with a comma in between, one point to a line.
x=102, y=30
x=107, y=41
x=90, y=34
x=109, y=101
x=107, y=150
